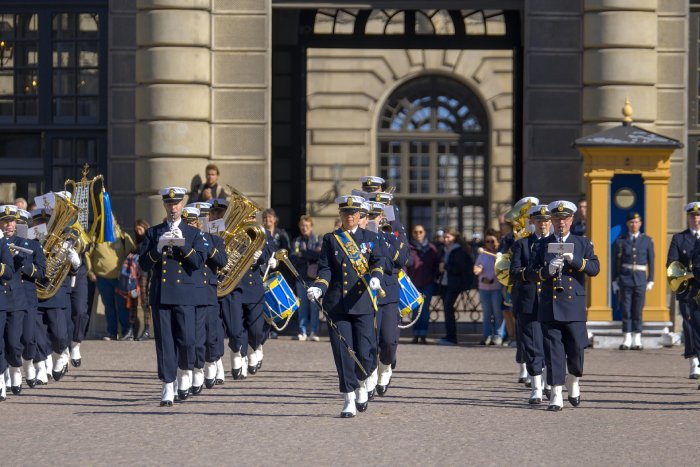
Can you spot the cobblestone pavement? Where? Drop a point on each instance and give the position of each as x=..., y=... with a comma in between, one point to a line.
x=454, y=406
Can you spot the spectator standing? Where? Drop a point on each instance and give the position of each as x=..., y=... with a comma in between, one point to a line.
x=280, y=239
x=144, y=280
x=490, y=290
x=456, y=268
x=21, y=203
x=579, y=225
x=304, y=255
x=209, y=189
x=423, y=270
x=104, y=262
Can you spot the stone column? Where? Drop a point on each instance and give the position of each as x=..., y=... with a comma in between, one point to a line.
x=173, y=75
x=620, y=39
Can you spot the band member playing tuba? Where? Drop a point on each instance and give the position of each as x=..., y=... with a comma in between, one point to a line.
x=350, y=269
x=562, y=303
x=176, y=253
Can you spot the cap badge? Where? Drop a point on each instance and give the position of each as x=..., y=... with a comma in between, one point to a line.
x=7, y=210
x=543, y=210
x=185, y=214
x=561, y=207
x=695, y=207
x=349, y=201
x=172, y=193
x=378, y=197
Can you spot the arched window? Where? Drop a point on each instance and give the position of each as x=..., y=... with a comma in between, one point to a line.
x=433, y=148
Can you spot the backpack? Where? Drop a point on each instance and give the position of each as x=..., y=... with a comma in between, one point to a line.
x=129, y=279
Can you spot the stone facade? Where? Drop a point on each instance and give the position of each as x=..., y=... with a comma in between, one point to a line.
x=346, y=92
x=190, y=83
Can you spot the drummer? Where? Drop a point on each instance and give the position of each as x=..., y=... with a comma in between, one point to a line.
x=388, y=316
x=349, y=274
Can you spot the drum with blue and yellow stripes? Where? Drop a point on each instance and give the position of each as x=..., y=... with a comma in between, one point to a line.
x=280, y=301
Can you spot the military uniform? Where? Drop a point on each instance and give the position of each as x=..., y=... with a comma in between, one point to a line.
x=209, y=345
x=19, y=329
x=177, y=287
x=32, y=270
x=634, y=269
x=7, y=272
x=562, y=306
x=348, y=302
x=680, y=250
x=395, y=254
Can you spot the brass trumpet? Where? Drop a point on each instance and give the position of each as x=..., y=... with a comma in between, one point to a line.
x=502, y=265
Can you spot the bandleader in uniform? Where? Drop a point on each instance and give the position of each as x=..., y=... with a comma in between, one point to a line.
x=349, y=276
x=562, y=303
x=177, y=287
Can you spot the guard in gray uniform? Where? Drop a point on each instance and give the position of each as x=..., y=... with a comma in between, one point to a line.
x=633, y=277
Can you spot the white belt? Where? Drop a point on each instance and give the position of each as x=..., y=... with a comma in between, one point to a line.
x=635, y=267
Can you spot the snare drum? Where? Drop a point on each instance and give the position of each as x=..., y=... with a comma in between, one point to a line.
x=409, y=297
x=280, y=301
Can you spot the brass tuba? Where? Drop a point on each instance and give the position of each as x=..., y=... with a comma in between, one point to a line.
x=60, y=236
x=678, y=277
x=242, y=239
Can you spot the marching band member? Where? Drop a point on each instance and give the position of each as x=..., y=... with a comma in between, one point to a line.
x=632, y=278
x=42, y=361
x=349, y=274
x=388, y=315
x=680, y=249
x=32, y=270
x=177, y=287
x=373, y=185
x=525, y=301
x=7, y=272
x=55, y=313
x=19, y=328
x=209, y=339
x=562, y=303
x=242, y=310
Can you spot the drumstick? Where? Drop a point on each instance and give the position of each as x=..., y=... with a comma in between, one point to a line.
x=281, y=255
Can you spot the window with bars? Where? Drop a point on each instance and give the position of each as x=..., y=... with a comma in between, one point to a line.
x=432, y=145
x=19, y=68
x=52, y=90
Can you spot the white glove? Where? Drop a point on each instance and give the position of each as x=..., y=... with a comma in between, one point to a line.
x=272, y=262
x=374, y=284
x=74, y=258
x=313, y=293
x=568, y=257
x=615, y=287
x=176, y=232
x=2, y=234
x=555, y=265
x=257, y=255
x=134, y=293
x=650, y=285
